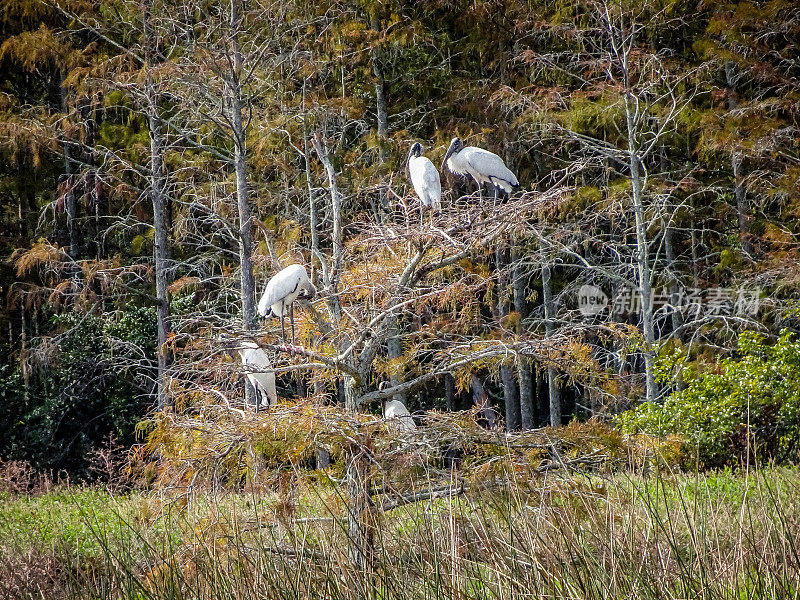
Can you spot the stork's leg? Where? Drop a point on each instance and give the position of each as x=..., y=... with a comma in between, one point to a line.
x=421, y=211
x=291, y=319
x=480, y=193
x=283, y=314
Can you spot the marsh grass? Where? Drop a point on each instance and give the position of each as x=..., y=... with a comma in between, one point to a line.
x=665, y=535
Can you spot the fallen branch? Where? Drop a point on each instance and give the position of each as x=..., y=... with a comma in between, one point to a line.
x=443, y=491
x=286, y=551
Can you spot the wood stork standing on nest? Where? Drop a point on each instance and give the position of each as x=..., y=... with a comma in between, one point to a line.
x=258, y=369
x=285, y=287
x=483, y=166
x=425, y=179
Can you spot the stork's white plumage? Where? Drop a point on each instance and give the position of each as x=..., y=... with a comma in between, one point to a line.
x=425, y=178
x=259, y=371
x=286, y=286
x=398, y=416
x=483, y=166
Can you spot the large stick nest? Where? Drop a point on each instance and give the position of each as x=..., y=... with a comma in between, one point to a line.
x=218, y=446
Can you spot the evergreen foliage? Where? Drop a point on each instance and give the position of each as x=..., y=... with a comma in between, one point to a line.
x=732, y=410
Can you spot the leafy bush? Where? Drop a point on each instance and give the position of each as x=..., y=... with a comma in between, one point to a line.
x=740, y=407
x=88, y=380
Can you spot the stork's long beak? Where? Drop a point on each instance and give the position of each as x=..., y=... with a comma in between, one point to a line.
x=446, y=156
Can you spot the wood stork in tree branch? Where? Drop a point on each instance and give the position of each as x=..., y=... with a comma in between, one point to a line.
x=396, y=413
x=285, y=287
x=483, y=166
x=425, y=179
x=259, y=369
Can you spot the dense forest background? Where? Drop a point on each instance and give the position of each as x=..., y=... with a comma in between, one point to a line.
x=160, y=160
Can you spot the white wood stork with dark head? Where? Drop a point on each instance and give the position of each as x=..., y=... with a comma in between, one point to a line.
x=258, y=369
x=285, y=287
x=483, y=166
x=425, y=179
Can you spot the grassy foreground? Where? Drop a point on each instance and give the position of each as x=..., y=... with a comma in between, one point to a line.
x=723, y=535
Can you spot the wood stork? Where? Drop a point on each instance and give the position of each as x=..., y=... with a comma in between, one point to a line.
x=398, y=416
x=258, y=369
x=483, y=166
x=259, y=372
x=286, y=286
x=425, y=179
x=396, y=413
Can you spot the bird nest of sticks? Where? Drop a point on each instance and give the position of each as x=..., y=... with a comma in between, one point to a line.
x=218, y=447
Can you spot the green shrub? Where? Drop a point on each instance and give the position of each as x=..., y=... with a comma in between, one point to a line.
x=746, y=404
x=89, y=379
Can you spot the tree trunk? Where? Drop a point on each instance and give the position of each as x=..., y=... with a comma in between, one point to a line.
x=70, y=203
x=642, y=249
x=676, y=314
x=554, y=393
x=481, y=401
x=26, y=374
x=87, y=108
x=380, y=92
x=159, y=199
x=320, y=393
x=358, y=531
x=510, y=392
x=357, y=485
x=323, y=459
x=100, y=211
x=669, y=251
x=394, y=347
x=695, y=243
x=526, y=394
x=313, y=214
x=511, y=397
x=737, y=160
x=350, y=390
x=352, y=393
x=335, y=270
x=240, y=167
x=542, y=397
x=526, y=391
x=21, y=211
x=742, y=205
